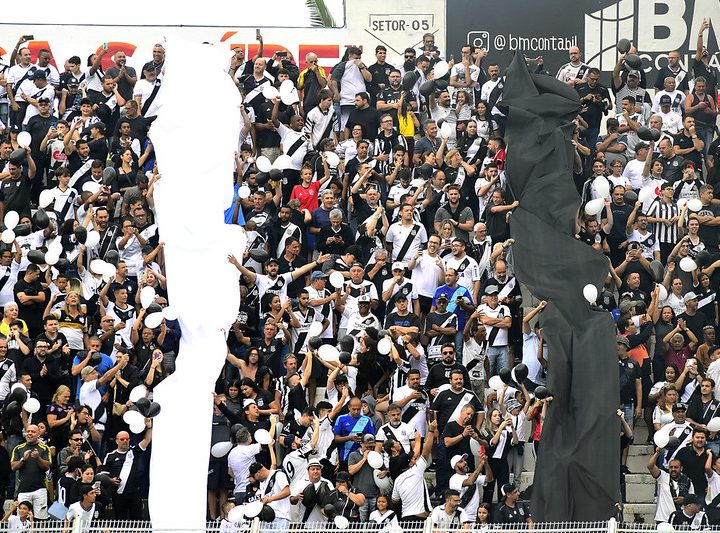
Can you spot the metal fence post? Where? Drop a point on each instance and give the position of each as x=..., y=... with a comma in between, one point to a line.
x=427, y=526
x=255, y=527
x=76, y=526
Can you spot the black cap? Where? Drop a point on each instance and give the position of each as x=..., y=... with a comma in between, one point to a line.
x=255, y=468
x=679, y=407
x=149, y=67
x=442, y=296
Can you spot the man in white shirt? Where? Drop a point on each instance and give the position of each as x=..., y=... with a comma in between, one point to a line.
x=671, y=119
x=309, y=510
x=147, y=92
x=464, y=75
x=634, y=169
x=274, y=490
x=448, y=516
x=465, y=266
x=674, y=96
x=575, y=71
x=348, y=79
x=672, y=486
x=405, y=237
x=9, y=269
x=239, y=460
x=85, y=509
x=497, y=320
x=468, y=484
x=19, y=80
x=410, y=487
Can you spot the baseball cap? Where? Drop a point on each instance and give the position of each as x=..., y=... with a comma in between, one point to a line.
x=255, y=468
x=665, y=99
x=635, y=73
x=368, y=438
x=39, y=75
x=271, y=260
x=148, y=66
x=44, y=101
x=491, y=289
x=456, y=459
x=679, y=407
x=397, y=265
x=318, y=274
x=442, y=296
x=622, y=340
x=314, y=462
x=690, y=296
x=247, y=402
x=692, y=499
x=401, y=296
x=288, y=440
x=511, y=404
x=626, y=305
x=507, y=488
x=364, y=299
x=87, y=371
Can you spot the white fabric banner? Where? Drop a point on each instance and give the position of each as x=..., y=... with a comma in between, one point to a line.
x=195, y=188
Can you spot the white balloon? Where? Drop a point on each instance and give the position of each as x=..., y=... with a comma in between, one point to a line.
x=137, y=428
x=8, y=236
x=56, y=246
x=51, y=257
x=282, y=162
x=92, y=240
x=16, y=385
x=153, y=320
x=446, y=130
x=590, y=293
x=133, y=417
x=694, y=204
x=384, y=345
x=263, y=164
x=315, y=329
x=147, y=296
x=662, y=292
x=286, y=87
x=270, y=92
x=681, y=203
x=440, y=69
x=32, y=405
x=24, y=139
x=236, y=514
x=475, y=446
x=262, y=436
x=714, y=424
x=646, y=194
x=46, y=198
x=383, y=483
x=288, y=93
x=687, y=264
x=329, y=353
x=341, y=522
x=138, y=392
x=91, y=187
x=333, y=160
x=661, y=439
x=243, y=191
x=97, y=266
x=110, y=271
x=374, y=459
x=253, y=508
x=602, y=186
x=496, y=383
x=665, y=527
x=417, y=183
x=169, y=313
x=337, y=280
x=593, y=207
x=11, y=219
x=221, y=449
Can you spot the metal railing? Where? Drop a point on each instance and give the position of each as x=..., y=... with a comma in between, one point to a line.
x=115, y=526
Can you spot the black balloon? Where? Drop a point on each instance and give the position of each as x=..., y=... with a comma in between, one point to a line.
x=656, y=134
x=703, y=259
x=347, y=343
x=408, y=81
x=36, y=257
x=12, y=409
x=153, y=308
x=40, y=219
x=427, y=88
x=80, y=234
x=267, y=514
x=23, y=230
x=261, y=178
x=631, y=197
x=142, y=405
x=520, y=372
x=17, y=156
x=330, y=511
x=275, y=174
x=657, y=271
x=673, y=442
x=645, y=134
x=623, y=46
x=541, y=392
x=505, y=375
x=309, y=496
x=112, y=257
x=633, y=61
x=314, y=343
x=345, y=358
x=426, y=170
x=382, y=334
x=62, y=265
x=259, y=255
x=19, y=395
x=95, y=359
x=109, y=175
x=153, y=410
x=441, y=84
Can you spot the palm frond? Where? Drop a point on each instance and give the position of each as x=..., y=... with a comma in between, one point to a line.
x=320, y=16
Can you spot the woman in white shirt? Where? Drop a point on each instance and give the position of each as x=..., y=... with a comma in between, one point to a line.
x=383, y=516
x=662, y=414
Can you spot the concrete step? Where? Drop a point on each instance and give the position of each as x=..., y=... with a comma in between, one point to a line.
x=640, y=433
x=645, y=450
x=639, y=513
x=639, y=488
x=637, y=462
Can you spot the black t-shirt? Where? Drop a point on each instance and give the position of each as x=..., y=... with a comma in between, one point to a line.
x=709, y=234
x=672, y=168
x=594, y=113
x=38, y=127
x=31, y=476
x=453, y=429
x=699, y=69
x=16, y=194
x=629, y=372
x=693, y=467
x=368, y=118
x=99, y=149
x=380, y=76
x=588, y=239
x=512, y=515
x=409, y=320
x=293, y=288
x=265, y=138
x=32, y=313
x=448, y=404
x=695, y=323
x=124, y=87
x=620, y=213
x=684, y=142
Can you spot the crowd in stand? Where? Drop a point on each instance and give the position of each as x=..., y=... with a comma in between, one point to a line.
x=380, y=316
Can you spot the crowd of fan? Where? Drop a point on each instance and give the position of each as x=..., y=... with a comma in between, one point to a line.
x=380, y=317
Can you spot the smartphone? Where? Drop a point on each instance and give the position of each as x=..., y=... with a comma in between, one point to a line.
x=96, y=485
x=257, y=33
x=281, y=54
x=105, y=46
x=29, y=37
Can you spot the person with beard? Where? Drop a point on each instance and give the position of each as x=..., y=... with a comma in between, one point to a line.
x=468, y=483
x=387, y=142
x=461, y=174
x=398, y=430
x=410, y=493
x=496, y=217
x=455, y=210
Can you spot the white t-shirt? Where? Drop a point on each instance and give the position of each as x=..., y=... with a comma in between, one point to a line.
x=15, y=525
x=665, y=504
x=239, y=460
x=143, y=89
x=633, y=172
x=280, y=481
x=90, y=396
x=500, y=334
x=276, y=286
x=11, y=272
x=425, y=275
x=315, y=515
x=352, y=83
x=467, y=269
x=470, y=511
x=530, y=349
x=397, y=234
x=441, y=520
x=86, y=516
x=410, y=488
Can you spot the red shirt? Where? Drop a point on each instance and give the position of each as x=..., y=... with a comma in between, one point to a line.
x=308, y=196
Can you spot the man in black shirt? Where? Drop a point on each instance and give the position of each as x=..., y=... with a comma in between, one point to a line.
x=364, y=115
x=620, y=214
x=401, y=320
x=689, y=145
x=31, y=460
x=695, y=320
x=672, y=163
x=596, y=99
x=15, y=190
x=693, y=458
x=31, y=300
x=510, y=510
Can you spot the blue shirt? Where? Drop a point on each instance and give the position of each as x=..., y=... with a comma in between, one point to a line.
x=230, y=211
x=452, y=306
x=347, y=425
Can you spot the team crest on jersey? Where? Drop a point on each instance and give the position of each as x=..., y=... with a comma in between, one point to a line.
x=413, y=232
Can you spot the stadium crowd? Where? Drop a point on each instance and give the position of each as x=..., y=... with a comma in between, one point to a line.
x=380, y=316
